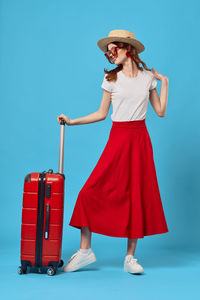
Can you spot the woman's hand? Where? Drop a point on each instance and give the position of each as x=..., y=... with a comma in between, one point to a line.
x=159, y=76
x=67, y=120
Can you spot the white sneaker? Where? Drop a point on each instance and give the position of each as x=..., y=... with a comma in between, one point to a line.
x=131, y=265
x=79, y=260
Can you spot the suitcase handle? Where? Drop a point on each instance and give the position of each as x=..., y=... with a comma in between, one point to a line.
x=46, y=234
x=62, y=141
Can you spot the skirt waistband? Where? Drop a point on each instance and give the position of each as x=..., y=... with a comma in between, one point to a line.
x=129, y=124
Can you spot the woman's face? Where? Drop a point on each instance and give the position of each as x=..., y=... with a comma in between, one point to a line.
x=121, y=54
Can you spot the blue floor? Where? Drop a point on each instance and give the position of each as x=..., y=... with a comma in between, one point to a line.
x=169, y=274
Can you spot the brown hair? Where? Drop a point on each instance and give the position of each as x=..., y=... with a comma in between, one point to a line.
x=112, y=74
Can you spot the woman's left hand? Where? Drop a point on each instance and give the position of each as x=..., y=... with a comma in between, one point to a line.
x=159, y=76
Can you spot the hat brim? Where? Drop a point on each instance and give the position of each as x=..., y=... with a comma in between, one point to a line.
x=103, y=43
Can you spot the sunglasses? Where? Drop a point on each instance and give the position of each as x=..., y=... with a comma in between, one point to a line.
x=112, y=51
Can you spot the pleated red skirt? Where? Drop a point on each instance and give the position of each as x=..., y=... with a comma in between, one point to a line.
x=121, y=197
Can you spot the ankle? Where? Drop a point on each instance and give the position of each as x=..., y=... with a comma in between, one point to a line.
x=130, y=254
x=85, y=247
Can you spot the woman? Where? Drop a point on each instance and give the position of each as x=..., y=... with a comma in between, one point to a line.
x=121, y=197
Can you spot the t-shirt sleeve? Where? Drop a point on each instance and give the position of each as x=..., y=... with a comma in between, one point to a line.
x=107, y=85
x=153, y=83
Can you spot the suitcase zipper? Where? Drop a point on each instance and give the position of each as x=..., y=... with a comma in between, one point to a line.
x=40, y=220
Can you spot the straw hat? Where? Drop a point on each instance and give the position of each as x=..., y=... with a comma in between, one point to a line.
x=120, y=35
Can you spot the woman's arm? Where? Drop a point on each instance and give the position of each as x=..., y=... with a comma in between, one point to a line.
x=96, y=116
x=159, y=104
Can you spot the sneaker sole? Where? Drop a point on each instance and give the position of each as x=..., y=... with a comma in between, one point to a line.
x=126, y=269
x=86, y=262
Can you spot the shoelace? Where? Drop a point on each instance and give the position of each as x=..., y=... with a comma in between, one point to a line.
x=132, y=260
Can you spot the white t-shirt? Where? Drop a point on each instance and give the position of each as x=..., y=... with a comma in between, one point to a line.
x=130, y=96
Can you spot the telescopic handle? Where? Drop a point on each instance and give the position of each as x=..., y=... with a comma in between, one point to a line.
x=62, y=141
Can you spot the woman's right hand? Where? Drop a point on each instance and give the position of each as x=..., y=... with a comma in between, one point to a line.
x=67, y=120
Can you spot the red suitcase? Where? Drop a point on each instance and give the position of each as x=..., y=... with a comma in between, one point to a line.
x=42, y=217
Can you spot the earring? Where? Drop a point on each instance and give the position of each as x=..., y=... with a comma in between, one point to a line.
x=128, y=54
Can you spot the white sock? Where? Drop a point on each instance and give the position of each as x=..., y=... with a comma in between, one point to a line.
x=85, y=250
x=129, y=255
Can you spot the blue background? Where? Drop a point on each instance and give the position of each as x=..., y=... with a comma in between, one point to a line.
x=50, y=64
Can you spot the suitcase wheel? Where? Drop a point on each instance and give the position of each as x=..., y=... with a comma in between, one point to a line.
x=51, y=271
x=21, y=270
x=61, y=263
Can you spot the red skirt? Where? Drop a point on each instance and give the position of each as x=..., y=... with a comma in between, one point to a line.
x=121, y=197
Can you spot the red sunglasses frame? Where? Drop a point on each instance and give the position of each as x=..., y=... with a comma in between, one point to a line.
x=109, y=52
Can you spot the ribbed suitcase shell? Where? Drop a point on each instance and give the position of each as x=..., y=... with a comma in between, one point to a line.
x=51, y=246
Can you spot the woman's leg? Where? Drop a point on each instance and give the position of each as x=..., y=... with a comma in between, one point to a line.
x=82, y=257
x=131, y=245
x=85, y=238
x=130, y=264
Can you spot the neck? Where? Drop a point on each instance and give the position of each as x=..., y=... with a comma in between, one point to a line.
x=130, y=68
